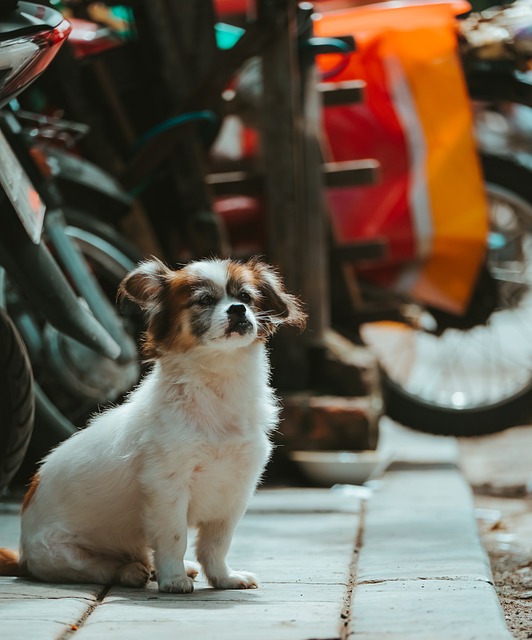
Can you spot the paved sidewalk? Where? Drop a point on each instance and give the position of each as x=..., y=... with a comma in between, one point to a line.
x=400, y=560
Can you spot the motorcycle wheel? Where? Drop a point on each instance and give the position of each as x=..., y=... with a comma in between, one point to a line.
x=59, y=413
x=17, y=406
x=475, y=381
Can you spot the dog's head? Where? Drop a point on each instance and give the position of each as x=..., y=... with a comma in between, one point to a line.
x=222, y=303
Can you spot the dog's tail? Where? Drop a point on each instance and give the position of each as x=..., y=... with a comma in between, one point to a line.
x=9, y=563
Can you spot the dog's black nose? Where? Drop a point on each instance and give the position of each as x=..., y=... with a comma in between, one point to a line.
x=236, y=311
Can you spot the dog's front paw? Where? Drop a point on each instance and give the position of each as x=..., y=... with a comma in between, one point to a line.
x=179, y=584
x=134, y=574
x=235, y=580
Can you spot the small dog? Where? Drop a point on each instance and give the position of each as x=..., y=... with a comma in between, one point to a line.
x=113, y=502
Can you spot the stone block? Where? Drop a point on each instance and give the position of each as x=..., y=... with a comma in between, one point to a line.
x=330, y=423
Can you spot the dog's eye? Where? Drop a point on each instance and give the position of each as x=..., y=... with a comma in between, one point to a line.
x=206, y=300
x=244, y=296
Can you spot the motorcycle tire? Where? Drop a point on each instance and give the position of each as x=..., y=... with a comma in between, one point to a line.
x=78, y=218
x=123, y=257
x=512, y=182
x=111, y=257
x=17, y=406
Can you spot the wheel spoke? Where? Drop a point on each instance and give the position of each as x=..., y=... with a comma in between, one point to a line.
x=489, y=363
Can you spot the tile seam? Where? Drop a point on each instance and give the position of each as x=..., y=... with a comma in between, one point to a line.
x=347, y=606
x=67, y=633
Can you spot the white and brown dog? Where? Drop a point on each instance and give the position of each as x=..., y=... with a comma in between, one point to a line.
x=113, y=503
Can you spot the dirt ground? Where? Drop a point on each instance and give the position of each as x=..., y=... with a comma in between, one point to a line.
x=499, y=468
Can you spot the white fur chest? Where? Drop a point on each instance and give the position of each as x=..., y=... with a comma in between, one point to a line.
x=211, y=400
x=208, y=438
x=223, y=478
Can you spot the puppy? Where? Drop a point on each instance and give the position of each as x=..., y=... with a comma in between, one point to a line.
x=113, y=502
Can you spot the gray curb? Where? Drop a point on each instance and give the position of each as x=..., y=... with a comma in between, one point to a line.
x=422, y=571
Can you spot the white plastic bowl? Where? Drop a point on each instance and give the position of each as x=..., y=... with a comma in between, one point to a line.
x=339, y=467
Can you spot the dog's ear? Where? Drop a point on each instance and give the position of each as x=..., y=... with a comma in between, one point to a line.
x=144, y=284
x=277, y=306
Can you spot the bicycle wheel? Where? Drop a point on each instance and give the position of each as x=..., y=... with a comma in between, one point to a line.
x=477, y=380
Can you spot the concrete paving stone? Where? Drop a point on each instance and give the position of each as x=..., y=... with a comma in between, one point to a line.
x=36, y=619
x=310, y=500
x=268, y=593
x=320, y=568
x=420, y=524
x=292, y=527
x=19, y=588
x=316, y=571
x=32, y=629
x=220, y=620
x=287, y=628
x=246, y=604
x=427, y=610
x=409, y=563
x=422, y=572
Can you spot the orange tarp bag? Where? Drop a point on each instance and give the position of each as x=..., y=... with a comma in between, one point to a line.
x=416, y=121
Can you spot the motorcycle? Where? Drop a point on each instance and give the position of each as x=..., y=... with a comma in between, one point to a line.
x=64, y=347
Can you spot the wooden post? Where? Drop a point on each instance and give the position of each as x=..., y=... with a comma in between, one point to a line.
x=317, y=361
x=293, y=181
x=293, y=188
x=281, y=141
x=314, y=247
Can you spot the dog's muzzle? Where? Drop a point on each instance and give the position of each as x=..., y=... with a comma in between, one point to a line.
x=238, y=322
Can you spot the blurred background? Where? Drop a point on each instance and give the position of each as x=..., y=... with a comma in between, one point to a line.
x=378, y=153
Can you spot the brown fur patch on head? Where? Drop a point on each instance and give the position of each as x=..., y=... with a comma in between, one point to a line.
x=276, y=306
x=165, y=295
x=169, y=327
x=243, y=285
x=143, y=284
x=28, y=497
x=238, y=276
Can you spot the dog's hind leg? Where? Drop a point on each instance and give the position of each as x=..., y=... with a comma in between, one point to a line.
x=68, y=562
